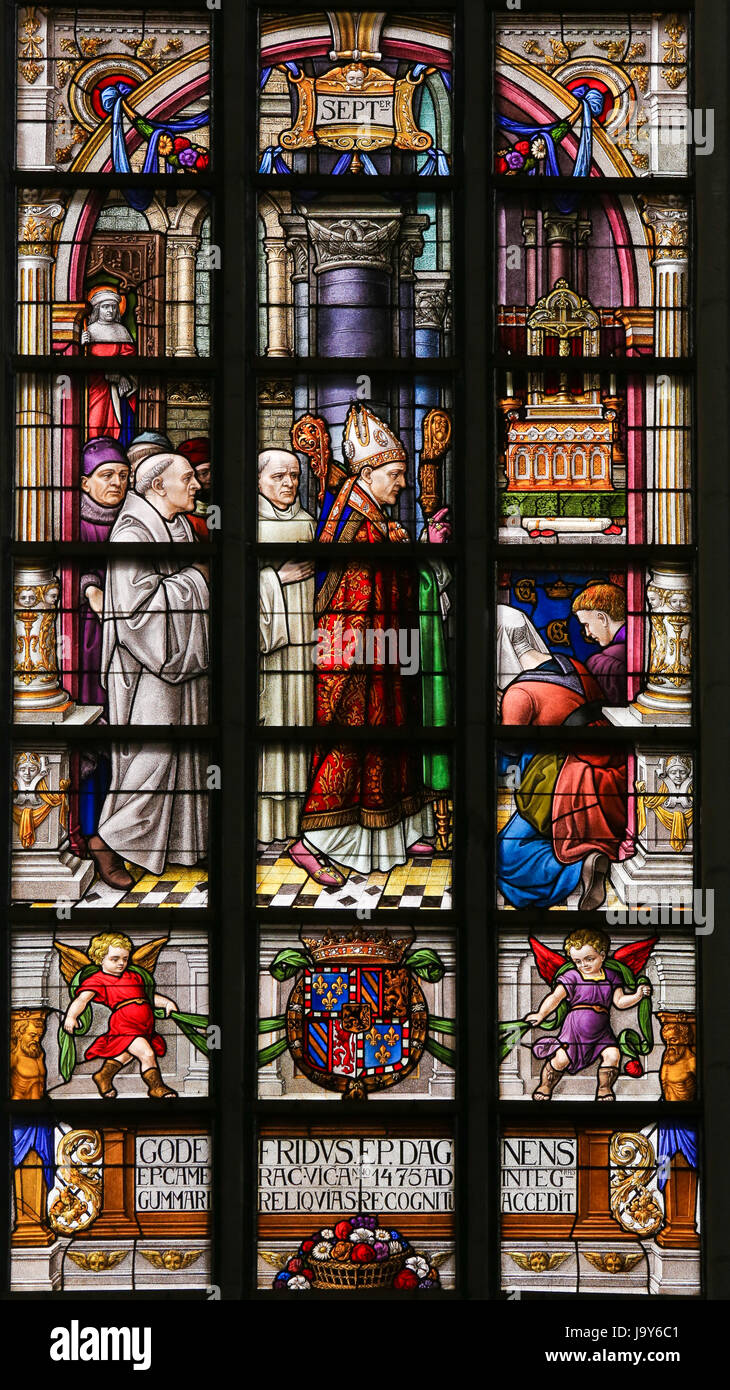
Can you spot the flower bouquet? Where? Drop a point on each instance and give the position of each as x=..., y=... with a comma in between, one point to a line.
x=360, y=1252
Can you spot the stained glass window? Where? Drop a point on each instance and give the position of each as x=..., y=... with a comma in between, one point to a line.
x=363, y=638
x=113, y=692
x=344, y=1209
x=596, y=806
x=587, y=1211
x=121, y=1209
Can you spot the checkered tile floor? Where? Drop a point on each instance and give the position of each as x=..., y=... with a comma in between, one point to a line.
x=175, y=887
x=421, y=883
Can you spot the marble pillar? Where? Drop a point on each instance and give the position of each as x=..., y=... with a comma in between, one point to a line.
x=277, y=263
x=38, y=216
x=355, y=271
x=669, y=475
x=667, y=697
x=182, y=252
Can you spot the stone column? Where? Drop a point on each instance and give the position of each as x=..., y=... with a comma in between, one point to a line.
x=431, y=301
x=410, y=247
x=667, y=698
x=277, y=307
x=355, y=250
x=196, y=1078
x=295, y=231
x=559, y=236
x=271, y=1004
x=669, y=475
x=441, y=1081
x=585, y=231
x=182, y=251
x=33, y=467
x=529, y=233
x=512, y=1004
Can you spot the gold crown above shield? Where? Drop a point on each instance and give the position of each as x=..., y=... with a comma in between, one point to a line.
x=368, y=441
x=357, y=946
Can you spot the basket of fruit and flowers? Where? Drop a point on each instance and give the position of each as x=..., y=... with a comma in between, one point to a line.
x=360, y=1252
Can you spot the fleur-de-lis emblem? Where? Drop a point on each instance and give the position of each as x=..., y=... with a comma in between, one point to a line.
x=320, y=984
x=329, y=1000
x=382, y=1056
x=391, y=1037
x=339, y=986
x=373, y=1036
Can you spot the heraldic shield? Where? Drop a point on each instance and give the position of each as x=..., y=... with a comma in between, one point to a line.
x=357, y=1019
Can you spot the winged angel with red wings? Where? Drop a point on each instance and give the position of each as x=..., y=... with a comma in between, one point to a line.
x=586, y=982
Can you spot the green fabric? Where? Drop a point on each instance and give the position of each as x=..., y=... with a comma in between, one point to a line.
x=534, y=796
x=441, y=1025
x=270, y=1053
x=286, y=963
x=426, y=964
x=67, y=1058
x=631, y=1043
x=443, y=1054
x=435, y=689
x=272, y=1025
x=193, y=1026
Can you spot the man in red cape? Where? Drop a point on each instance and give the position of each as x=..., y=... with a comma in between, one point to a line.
x=367, y=806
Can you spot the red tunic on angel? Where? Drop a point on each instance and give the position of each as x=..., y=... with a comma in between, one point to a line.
x=132, y=1015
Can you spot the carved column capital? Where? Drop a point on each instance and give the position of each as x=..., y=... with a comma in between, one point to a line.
x=37, y=218
x=668, y=219
x=432, y=289
x=355, y=241
x=411, y=242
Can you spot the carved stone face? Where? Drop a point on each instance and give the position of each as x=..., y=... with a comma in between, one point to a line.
x=27, y=768
x=676, y=773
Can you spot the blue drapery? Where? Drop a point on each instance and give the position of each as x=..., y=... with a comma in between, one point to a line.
x=591, y=101
x=273, y=161
x=112, y=100
x=40, y=1139
x=529, y=874
x=672, y=1141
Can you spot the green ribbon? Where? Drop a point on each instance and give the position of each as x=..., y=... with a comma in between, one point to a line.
x=631, y=1044
x=288, y=962
x=270, y=1053
x=193, y=1026
x=426, y=964
x=443, y=1054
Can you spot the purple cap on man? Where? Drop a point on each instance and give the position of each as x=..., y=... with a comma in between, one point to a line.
x=101, y=450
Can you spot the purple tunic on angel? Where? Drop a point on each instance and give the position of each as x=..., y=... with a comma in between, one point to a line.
x=586, y=1029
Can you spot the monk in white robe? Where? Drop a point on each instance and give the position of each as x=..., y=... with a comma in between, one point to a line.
x=286, y=644
x=155, y=660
